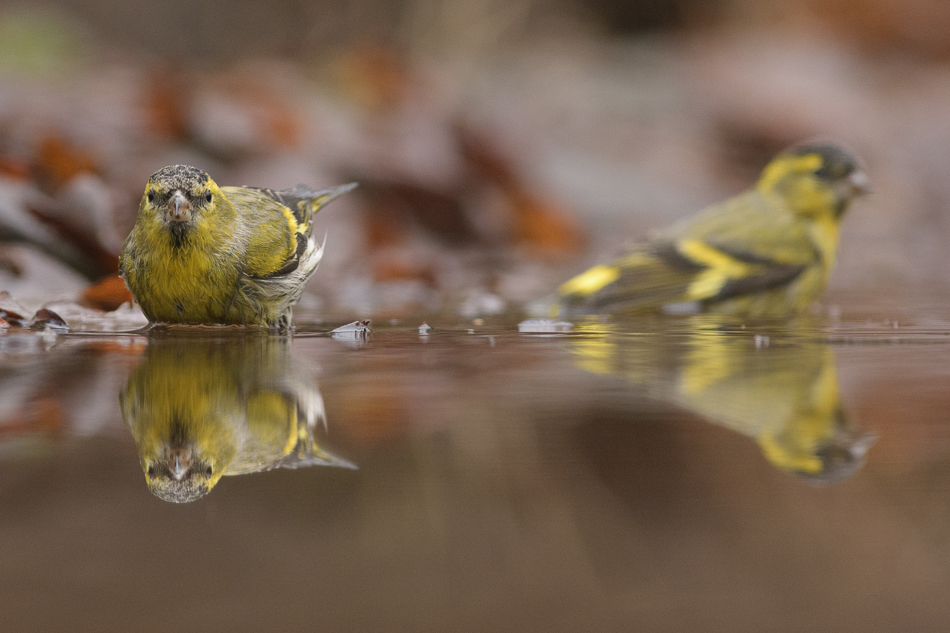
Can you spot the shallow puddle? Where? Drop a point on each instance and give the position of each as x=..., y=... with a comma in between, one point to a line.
x=652, y=475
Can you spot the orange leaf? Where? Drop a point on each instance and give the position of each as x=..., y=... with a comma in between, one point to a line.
x=274, y=119
x=107, y=295
x=540, y=227
x=12, y=168
x=392, y=270
x=59, y=161
x=545, y=230
x=166, y=103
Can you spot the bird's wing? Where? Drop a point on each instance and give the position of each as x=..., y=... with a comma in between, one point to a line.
x=645, y=277
x=744, y=246
x=279, y=225
x=302, y=201
x=751, y=228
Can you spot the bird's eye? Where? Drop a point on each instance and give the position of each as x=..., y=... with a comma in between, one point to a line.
x=151, y=471
x=208, y=197
x=151, y=196
x=208, y=471
x=833, y=171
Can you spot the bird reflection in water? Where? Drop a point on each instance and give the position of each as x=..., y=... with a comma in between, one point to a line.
x=200, y=409
x=780, y=390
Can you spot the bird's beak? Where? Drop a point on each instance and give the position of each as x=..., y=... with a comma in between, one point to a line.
x=179, y=209
x=859, y=182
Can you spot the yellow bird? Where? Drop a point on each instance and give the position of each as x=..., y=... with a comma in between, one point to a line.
x=201, y=408
x=766, y=253
x=200, y=253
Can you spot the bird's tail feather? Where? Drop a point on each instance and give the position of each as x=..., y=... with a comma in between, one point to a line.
x=320, y=198
x=642, y=279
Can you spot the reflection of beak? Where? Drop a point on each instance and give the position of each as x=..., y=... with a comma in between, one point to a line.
x=179, y=209
x=859, y=182
x=861, y=445
x=178, y=464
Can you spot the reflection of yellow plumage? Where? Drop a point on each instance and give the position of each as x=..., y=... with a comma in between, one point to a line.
x=200, y=409
x=782, y=391
x=767, y=252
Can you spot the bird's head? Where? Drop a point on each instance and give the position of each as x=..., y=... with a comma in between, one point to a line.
x=178, y=475
x=820, y=447
x=815, y=178
x=838, y=456
x=181, y=470
x=840, y=459
x=181, y=197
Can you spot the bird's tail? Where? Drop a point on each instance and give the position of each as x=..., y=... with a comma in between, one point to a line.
x=321, y=198
x=304, y=201
x=642, y=279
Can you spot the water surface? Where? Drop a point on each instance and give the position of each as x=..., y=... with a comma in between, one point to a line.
x=642, y=475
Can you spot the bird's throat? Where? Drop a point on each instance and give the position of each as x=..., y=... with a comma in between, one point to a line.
x=179, y=232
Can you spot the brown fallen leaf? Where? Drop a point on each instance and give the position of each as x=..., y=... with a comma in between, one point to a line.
x=242, y=114
x=393, y=205
x=13, y=168
x=13, y=318
x=166, y=100
x=382, y=230
x=58, y=164
x=90, y=258
x=10, y=265
x=58, y=161
x=46, y=318
x=485, y=159
x=541, y=227
x=388, y=269
x=916, y=27
x=106, y=295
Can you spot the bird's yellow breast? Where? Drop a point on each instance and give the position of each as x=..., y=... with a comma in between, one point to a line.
x=825, y=233
x=192, y=282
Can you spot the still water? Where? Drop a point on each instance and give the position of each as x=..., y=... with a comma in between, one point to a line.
x=684, y=474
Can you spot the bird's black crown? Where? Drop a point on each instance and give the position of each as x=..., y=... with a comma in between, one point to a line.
x=836, y=162
x=183, y=177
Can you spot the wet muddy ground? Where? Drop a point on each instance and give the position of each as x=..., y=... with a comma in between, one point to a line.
x=640, y=475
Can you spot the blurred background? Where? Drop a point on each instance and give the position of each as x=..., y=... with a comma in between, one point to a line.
x=501, y=146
